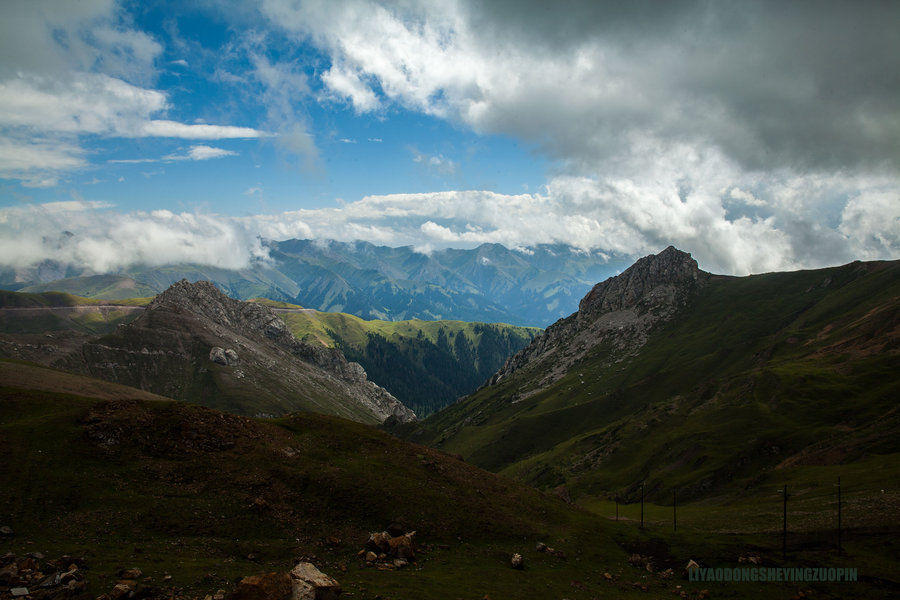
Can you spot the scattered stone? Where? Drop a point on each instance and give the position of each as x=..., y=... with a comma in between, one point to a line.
x=562, y=492
x=217, y=355
x=121, y=589
x=265, y=586
x=635, y=560
x=403, y=546
x=386, y=548
x=134, y=573
x=6, y=530
x=607, y=576
x=517, y=561
x=9, y=575
x=540, y=547
x=309, y=583
x=692, y=564
x=19, y=591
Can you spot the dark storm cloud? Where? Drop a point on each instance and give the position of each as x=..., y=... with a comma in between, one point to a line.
x=802, y=85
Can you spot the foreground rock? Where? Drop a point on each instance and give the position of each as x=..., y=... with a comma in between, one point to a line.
x=309, y=583
x=35, y=578
x=303, y=582
x=393, y=548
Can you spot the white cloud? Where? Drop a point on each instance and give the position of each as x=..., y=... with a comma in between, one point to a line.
x=41, y=119
x=202, y=153
x=346, y=84
x=172, y=129
x=19, y=157
x=628, y=216
x=438, y=164
x=74, y=69
x=89, y=236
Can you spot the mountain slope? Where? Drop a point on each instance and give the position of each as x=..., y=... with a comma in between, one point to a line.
x=424, y=368
x=427, y=365
x=193, y=343
x=680, y=379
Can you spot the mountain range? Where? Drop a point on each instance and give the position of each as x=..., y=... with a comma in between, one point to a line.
x=427, y=365
x=490, y=283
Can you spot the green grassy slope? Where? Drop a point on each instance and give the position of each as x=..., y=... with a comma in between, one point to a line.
x=38, y=313
x=206, y=497
x=427, y=365
x=105, y=287
x=759, y=372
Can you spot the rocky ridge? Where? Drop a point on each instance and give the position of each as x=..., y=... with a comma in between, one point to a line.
x=618, y=313
x=194, y=343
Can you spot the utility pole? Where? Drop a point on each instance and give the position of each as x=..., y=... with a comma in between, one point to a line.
x=784, y=526
x=840, y=549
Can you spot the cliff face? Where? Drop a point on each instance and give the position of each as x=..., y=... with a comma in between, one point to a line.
x=194, y=343
x=618, y=314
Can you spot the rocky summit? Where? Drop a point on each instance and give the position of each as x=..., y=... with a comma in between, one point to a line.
x=617, y=314
x=194, y=343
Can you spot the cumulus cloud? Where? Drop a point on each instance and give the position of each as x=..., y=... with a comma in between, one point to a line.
x=89, y=236
x=75, y=69
x=615, y=214
x=767, y=85
x=758, y=136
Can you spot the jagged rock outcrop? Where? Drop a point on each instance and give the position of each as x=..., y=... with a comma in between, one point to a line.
x=194, y=343
x=618, y=313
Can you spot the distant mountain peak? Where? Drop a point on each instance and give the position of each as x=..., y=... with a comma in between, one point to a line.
x=205, y=300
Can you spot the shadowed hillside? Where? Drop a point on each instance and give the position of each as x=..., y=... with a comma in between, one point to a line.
x=682, y=380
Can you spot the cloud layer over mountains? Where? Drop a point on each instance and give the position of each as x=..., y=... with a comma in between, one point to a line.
x=756, y=135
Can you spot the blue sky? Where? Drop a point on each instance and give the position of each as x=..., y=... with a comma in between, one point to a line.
x=757, y=136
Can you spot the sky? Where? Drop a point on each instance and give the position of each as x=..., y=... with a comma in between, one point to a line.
x=758, y=136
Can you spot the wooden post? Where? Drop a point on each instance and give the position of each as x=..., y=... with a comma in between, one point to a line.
x=674, y=510
x=642, y=505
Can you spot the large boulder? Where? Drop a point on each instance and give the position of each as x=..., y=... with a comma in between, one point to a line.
x=309, y=583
